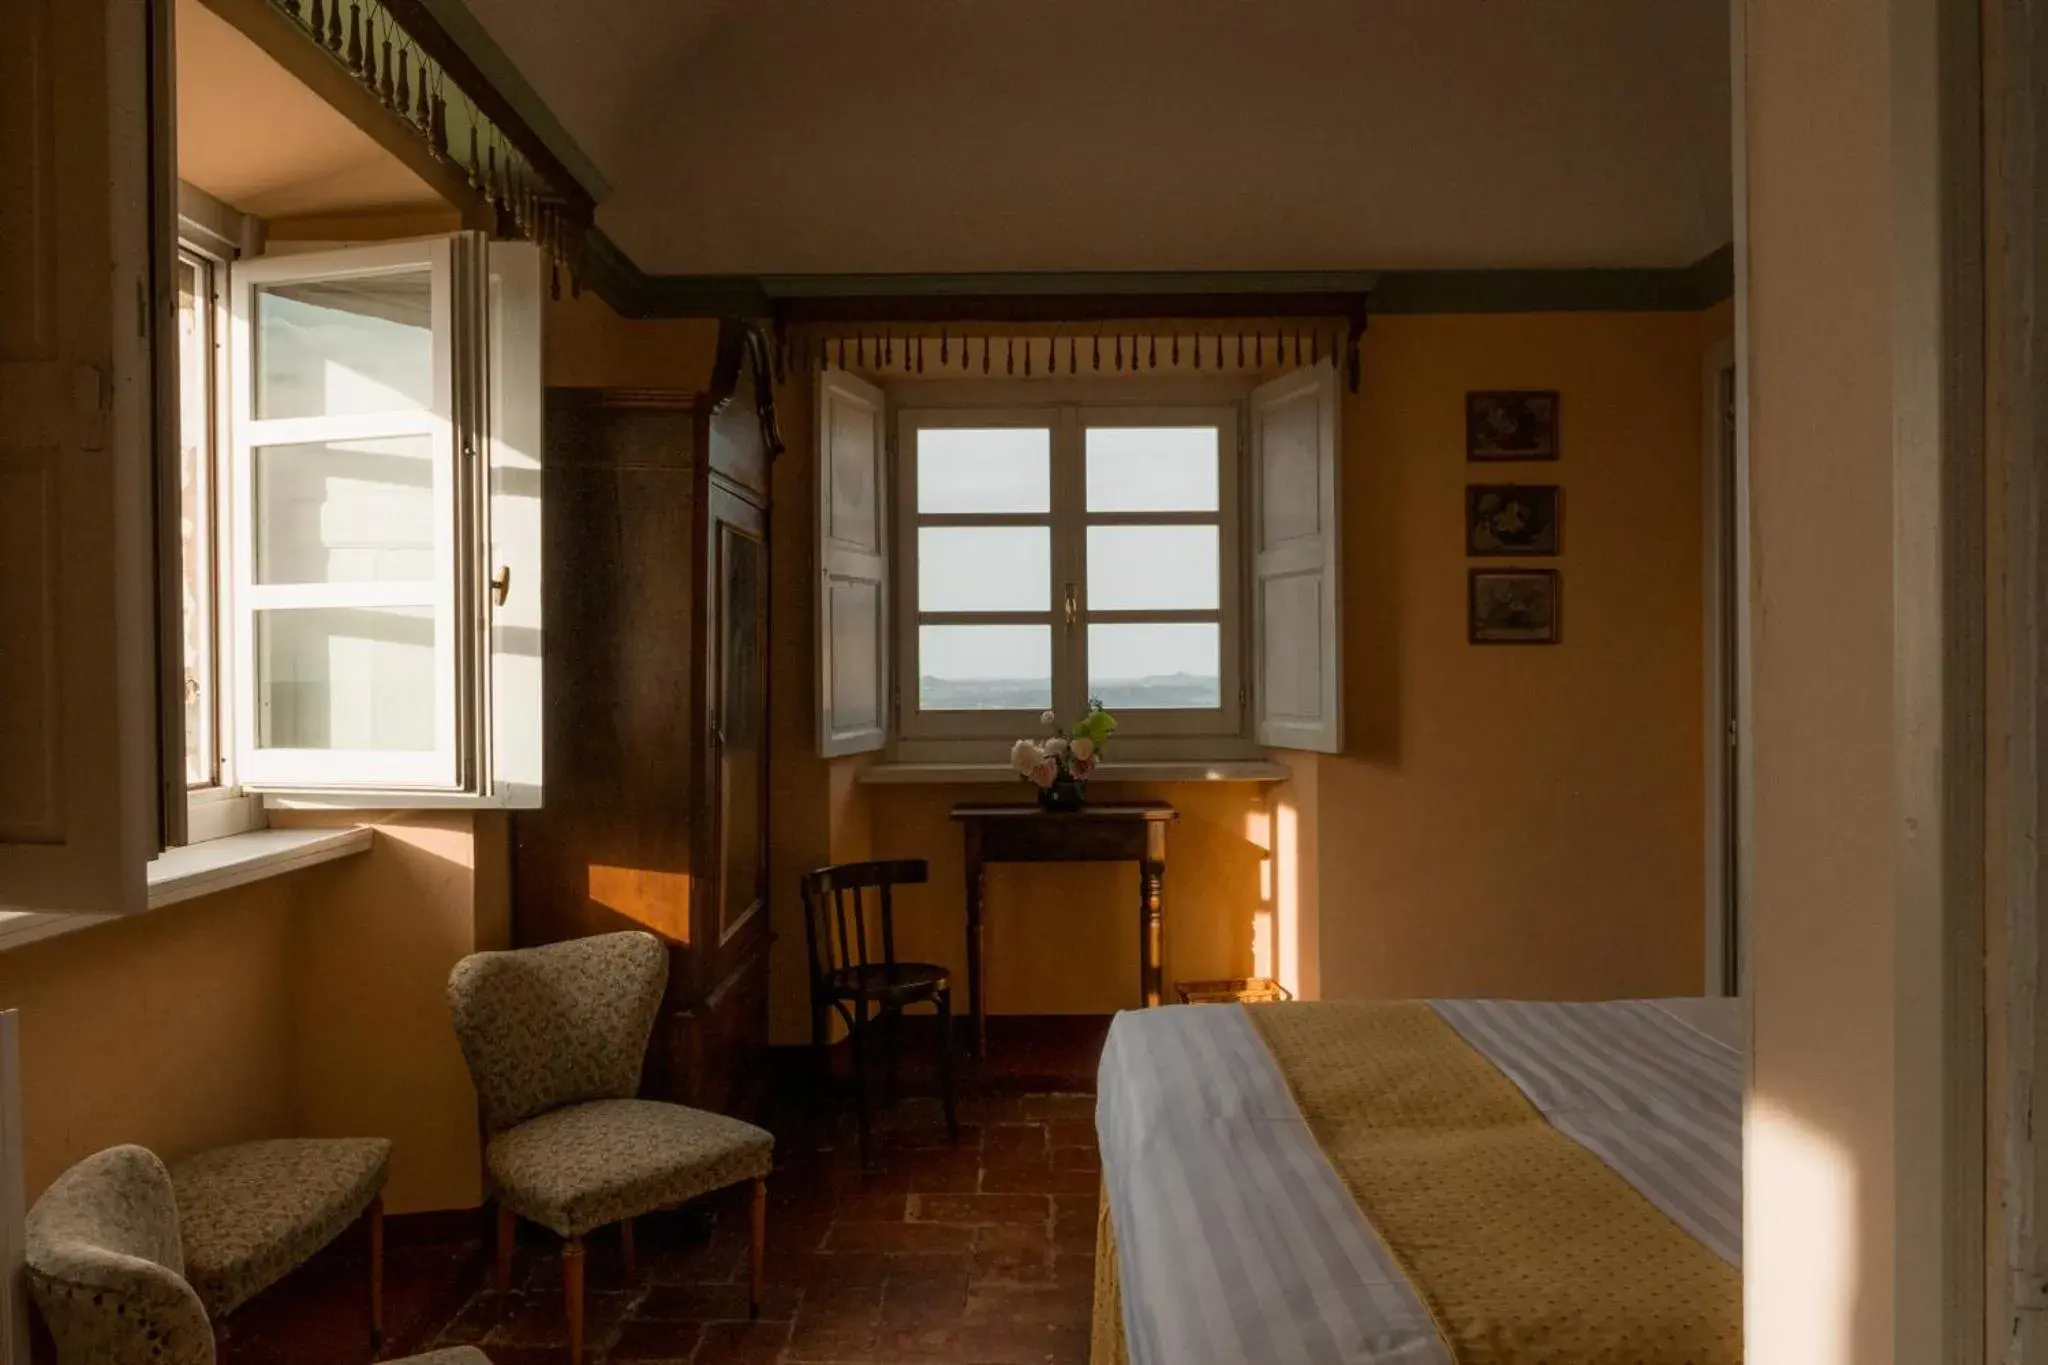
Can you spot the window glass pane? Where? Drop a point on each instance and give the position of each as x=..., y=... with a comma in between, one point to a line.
x=984, y=469
x=1152, y=469
x=984, y=668
x=984, y=568
x=346, y=678
x=1153, y=568
x=357, y=511
x=195, y=517
x=1156, y=666
x=335, y=347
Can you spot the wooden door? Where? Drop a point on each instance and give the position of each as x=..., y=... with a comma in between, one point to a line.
x=733, y=945
x=78, y=705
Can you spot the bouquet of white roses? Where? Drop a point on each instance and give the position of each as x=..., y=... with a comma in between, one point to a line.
x=1066, y=755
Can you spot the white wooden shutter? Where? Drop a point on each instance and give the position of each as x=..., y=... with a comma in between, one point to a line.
x=853, y=566
x=78, y=666
x=512, y=594
x=1297, y=621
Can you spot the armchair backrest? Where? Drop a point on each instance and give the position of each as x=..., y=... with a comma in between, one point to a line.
x=106, y=1270
x=545, y=1027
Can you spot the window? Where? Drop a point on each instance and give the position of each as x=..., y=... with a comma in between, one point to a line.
x=1170, y=549
x=1057, y=554
x=361, y=527
x=199, y=380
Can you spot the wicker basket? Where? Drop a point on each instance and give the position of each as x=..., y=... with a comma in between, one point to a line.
x=1239, y=990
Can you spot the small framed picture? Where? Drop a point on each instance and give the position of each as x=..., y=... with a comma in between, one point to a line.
x=1512, y=519
x=1513, y=606
x=1511, y=424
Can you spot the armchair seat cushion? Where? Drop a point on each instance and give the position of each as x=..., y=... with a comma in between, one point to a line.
x=585, y=1165
x=250, y=1214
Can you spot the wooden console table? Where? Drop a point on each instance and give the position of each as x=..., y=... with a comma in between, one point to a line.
x=1127, y=832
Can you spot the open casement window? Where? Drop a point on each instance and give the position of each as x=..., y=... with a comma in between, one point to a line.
x=1297, y=617
x=1050, y=555
x=384, y=597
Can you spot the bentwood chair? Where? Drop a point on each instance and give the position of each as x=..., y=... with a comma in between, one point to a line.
x=108, y=1272
x=854, y=969
x=555, y=1038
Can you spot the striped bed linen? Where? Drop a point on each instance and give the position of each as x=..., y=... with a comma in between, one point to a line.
x=1237, y=1242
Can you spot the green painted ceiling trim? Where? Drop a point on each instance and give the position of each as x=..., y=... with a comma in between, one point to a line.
x=472, y=38
x=634, y=293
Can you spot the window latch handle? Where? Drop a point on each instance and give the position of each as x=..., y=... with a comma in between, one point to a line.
x=501, y=585
x=1073, y=607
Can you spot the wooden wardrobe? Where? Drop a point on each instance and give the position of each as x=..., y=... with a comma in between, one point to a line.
x=655, y=537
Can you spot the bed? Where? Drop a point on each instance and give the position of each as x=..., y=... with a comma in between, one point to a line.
x=1421, y=1183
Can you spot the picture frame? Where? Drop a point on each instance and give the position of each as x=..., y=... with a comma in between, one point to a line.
x=1511, y=424
x=1513, y=606
x=1504, y=520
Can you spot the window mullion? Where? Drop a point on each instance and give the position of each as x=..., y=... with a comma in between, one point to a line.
x=1070, y=591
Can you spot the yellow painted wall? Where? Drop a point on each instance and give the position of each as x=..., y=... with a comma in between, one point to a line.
x=1521, y=820
x=172, y=1029
x=372, y=941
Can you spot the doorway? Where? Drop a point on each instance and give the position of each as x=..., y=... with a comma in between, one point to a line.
x=1725, y=663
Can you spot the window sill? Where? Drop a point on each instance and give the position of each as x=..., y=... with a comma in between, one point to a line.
x=180, y=874
x=1161, y=770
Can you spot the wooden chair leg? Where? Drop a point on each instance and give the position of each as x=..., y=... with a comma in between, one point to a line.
x=944, y=1001
x=758, y=1251
x=892, y=1043
x=572, y=1295
x=821, y=1057
x=626, y=1249
x=375, y=1218
x=860, y=1074
x=508, y=1235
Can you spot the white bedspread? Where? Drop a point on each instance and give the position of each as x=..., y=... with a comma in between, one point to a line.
x=1236, y=1241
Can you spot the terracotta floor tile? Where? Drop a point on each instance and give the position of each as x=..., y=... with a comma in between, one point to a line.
x=900, y=1237
x=654, y=1341
x=1038, y=1178
x=713, y=1303
x=1076, y=1159
x=801, y=1270
x=1069, y=1107
x=741, y=1343
x=869, y=1206
x=976, y=1210
x=1072, y=1132
x=1010, y=1141
x=1015, y=1254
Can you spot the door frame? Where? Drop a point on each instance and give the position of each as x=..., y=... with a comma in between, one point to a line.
x=1724, y=627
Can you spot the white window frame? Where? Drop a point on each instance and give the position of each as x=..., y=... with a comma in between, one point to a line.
x=1067, y=411
x=485, y=422
x=437, y=769
x=219, y=808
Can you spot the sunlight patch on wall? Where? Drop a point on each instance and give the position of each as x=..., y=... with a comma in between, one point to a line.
x=1258, y=832
x=659, y=901
x=1800, y=1203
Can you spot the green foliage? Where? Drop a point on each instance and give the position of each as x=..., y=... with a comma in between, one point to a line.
x=1096, y=727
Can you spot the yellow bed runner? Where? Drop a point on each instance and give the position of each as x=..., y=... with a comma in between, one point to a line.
x=1523, y=1245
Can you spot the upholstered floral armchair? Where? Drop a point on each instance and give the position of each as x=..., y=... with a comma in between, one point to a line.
x=555, y=1038
x=107, y=1272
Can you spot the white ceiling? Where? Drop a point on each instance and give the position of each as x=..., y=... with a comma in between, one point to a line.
x=792, y=136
